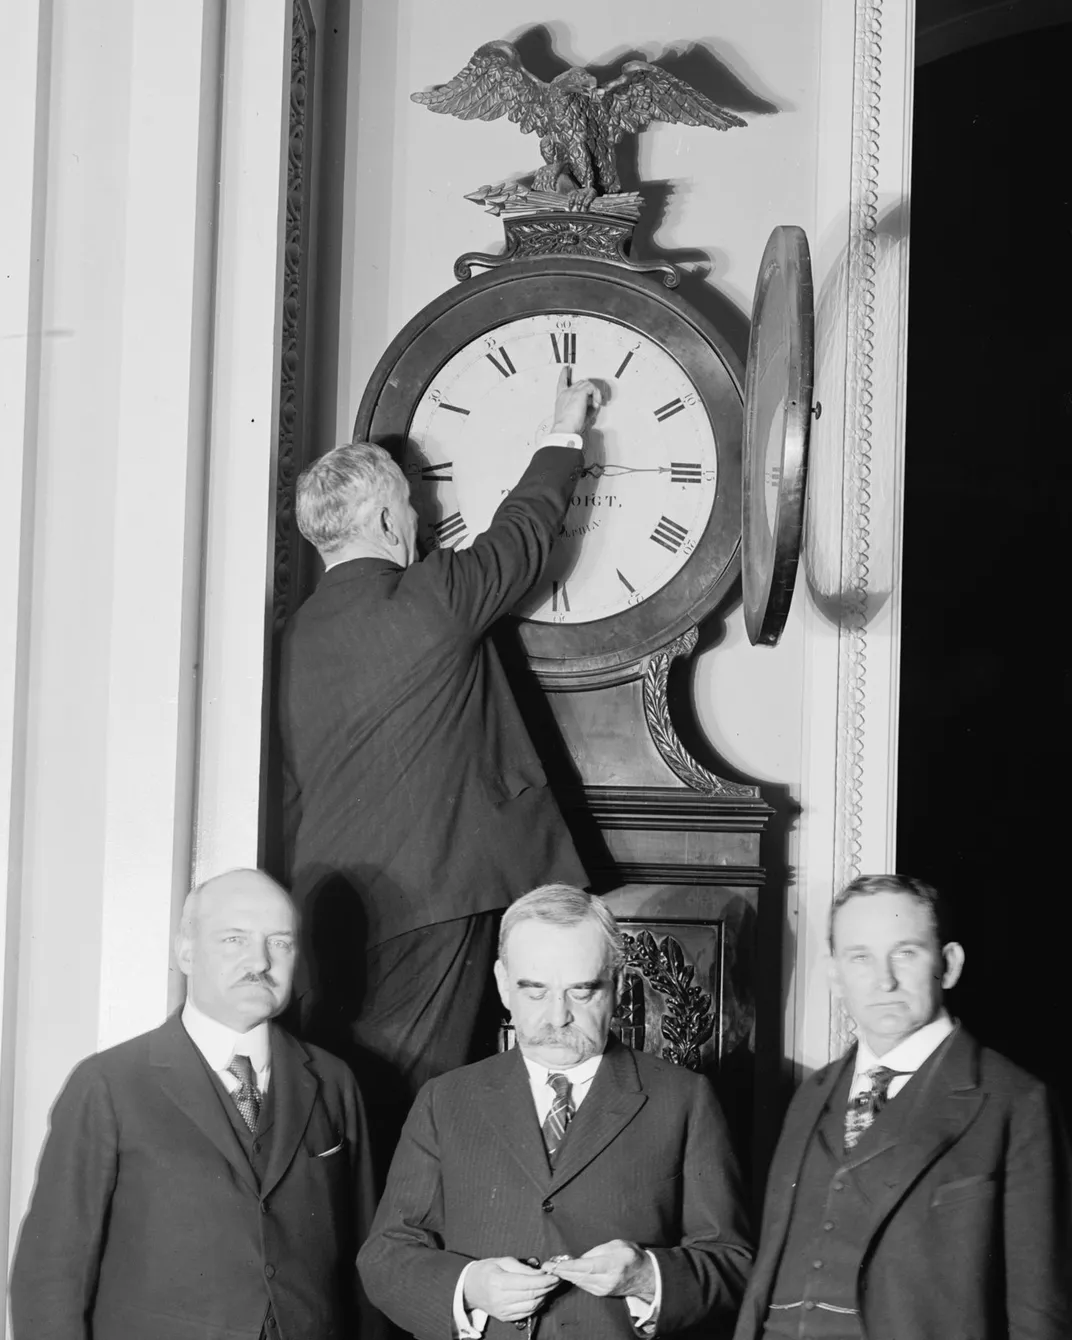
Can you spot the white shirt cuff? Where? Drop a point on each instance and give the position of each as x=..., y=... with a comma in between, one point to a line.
x=574, y=440
x=467, y=1326
x=645, y=1316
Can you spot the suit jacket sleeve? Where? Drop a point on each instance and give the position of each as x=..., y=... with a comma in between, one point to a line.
x=1038, y=1222
x=405, y=1270
x=705, y=1275
x=491, y=576
x=54, y=1280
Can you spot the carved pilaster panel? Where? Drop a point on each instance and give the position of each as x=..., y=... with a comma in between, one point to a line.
x=859, y=444
x=292, y=356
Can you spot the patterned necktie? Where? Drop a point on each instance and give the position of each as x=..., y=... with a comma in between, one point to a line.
x=559, y=1117
x=866, y=1106
x=247, y=1097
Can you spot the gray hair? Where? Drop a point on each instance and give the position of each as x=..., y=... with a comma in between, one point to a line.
x=339, y=495
x=564, y=905
x=924, y=894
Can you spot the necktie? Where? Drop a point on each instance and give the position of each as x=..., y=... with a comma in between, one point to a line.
x=247, y=1096
x=866, y=1106
x=559, y=1117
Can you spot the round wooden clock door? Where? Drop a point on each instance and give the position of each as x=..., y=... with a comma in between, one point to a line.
x=651, y=538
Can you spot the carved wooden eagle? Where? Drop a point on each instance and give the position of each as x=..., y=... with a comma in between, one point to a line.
x=578, y=122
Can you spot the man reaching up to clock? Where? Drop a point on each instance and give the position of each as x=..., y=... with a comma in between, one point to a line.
x=418, y=805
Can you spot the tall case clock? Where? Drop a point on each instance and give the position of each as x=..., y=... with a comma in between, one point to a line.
x=691, y=451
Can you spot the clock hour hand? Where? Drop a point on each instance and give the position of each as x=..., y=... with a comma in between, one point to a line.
x=598, y=470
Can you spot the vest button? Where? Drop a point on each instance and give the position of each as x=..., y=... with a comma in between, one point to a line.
x=809, y=1306
x=547, y=1207
x=817, y=1265
x=828, y=1226
x=269, y=1270
x=839, y=1186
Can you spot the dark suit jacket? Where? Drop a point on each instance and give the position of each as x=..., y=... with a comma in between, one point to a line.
x=971, y=1236
x=646, y=1159
x=147, y=1222
x=416, y=785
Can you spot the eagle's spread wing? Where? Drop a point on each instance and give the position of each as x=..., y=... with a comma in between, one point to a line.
x=643, y=93
x=494, y=83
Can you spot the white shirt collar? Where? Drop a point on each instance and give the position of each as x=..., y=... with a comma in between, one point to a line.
x=218, y=1044
x=582, y=1074
x=910, y=1053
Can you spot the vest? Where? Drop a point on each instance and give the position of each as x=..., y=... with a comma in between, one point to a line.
x=257, y=1146
x=815, y=1288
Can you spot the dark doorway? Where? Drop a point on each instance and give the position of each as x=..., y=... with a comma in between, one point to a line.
x=985, y=685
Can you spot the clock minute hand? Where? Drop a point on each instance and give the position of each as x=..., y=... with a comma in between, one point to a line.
x=598, y=470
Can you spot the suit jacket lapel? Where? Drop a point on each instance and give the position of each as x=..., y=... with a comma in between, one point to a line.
x=616, y=1096
x=507, y=1106
x=795, y=1140
x=294, y=1090
x=184, y=1078
x=943, y=1108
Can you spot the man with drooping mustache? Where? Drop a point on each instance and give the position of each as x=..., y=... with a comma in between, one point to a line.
x=209, y=1178
x=570, y=1186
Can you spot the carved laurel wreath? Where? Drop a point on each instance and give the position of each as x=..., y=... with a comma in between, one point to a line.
x=689, y=1020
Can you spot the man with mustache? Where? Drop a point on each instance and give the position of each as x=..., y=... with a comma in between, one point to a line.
x=921, y=1187
x=570, y=1185
x=209, y=1178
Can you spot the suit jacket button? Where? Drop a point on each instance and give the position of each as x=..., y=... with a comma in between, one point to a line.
x=256, y=1146
x=547, y=1207
x=264, y=1207
x=269, y=1270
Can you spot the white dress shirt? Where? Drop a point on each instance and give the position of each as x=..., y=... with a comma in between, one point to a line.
x=219, y=1045
x=470, y=1325
x=908, y=1055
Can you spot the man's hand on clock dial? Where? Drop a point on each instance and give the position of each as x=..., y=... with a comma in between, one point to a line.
x=574, y=404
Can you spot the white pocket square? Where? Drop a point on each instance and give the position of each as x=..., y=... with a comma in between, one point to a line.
x=333, y=1150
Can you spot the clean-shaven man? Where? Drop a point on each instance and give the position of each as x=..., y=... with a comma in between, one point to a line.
x=210, y=1178
x=921, y=1187
x=570, y=1185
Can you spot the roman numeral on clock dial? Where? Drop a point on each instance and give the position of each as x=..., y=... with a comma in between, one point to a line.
x=566, y=352
x=450, y=530
x=668, y=410
x=682, y=473
x=505, y=367
x=559, y=598
x=669, y=534
x=437, y=474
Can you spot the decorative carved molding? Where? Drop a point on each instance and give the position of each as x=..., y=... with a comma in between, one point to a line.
x=668, y=809
x=665, y=737
x=689, y=1019
x=695, y=872
x=856, y=509
x=291, y=360
x=589, y=236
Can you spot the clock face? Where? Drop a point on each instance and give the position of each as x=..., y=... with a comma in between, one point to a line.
x=651, y=539
x=651, y=462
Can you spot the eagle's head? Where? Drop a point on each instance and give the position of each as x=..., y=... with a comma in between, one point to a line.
x=575, y=80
